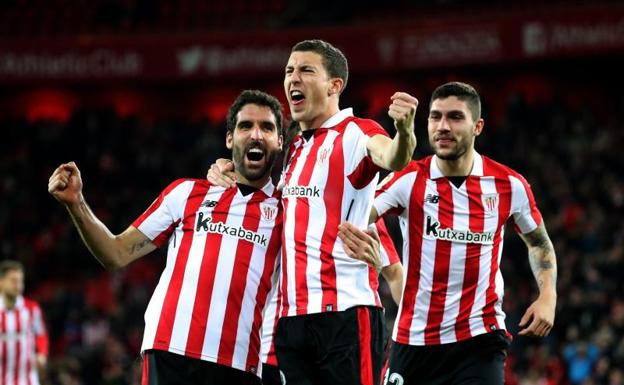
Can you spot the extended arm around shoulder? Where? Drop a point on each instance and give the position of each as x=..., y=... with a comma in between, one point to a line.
x=221, y=173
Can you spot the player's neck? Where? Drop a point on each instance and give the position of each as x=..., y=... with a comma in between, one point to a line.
x=318, y=120
x=9, y=301
x=258, y=183
x=461, y=166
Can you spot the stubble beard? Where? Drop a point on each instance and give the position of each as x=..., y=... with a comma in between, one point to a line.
x=238, y=155
x=460, y=149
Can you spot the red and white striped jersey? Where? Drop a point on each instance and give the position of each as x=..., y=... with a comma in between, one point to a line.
x=269, y=323
x=23, y=336
x=453, y=242
x=328, y=178
x=223, y=250
x=389, y=256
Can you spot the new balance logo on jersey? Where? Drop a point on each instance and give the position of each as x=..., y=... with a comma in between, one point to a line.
x=433, y=230
x=430, y=198
x=301, y=191
x=204, y=223
x=208, y=203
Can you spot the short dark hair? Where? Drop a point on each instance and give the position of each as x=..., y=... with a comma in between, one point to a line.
x=254, y=97
x=462, y=91
x=292, y=130
x=334, y=60
x=10, y=265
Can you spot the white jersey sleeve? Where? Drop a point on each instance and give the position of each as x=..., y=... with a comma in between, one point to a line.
x=393, y=194
x=526, y=215
x=158, y=221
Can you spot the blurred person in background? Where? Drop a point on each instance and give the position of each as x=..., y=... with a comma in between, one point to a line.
x=581, y=358
x=452, y=208
x=203, y=320
x=24, y=343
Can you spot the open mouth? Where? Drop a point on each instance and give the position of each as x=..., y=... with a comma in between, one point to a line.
x=296, y=96
x=255, y=154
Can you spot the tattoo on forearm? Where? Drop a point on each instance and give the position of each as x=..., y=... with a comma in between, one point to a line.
x=539, y=238
x=138, y=246
x=541, y=256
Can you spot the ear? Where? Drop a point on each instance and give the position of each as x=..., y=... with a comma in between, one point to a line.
x=280, y=141
x=229, y=139
x=335, y=86
x=478, y=128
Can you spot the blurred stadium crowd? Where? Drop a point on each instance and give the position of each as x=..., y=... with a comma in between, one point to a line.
x=572, y=159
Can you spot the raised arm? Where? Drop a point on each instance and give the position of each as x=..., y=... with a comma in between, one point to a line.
x=395, y=154
x=112, y=251
x=539, y=318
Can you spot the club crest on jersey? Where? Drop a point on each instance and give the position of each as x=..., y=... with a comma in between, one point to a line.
x=324, y=153
x=268, y=212
x=490, y=202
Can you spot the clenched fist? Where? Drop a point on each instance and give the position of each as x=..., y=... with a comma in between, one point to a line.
x=403, y=111
x=65, y=184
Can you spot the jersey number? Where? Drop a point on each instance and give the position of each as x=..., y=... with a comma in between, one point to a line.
x=394, y=378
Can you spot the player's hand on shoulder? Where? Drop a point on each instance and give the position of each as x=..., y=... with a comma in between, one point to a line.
x=221, y=173
x=65, y=183
x=403, y=110
x=360, y=244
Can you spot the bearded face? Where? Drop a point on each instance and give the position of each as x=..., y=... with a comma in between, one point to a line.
x=255, y=143
x=451, y=127
x=254, y=159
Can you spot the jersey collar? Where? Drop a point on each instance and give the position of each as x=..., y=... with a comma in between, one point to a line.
x=337, y=118
x=268, y=188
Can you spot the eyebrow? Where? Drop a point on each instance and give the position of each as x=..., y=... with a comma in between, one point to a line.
x=449, y=112
x=304, y=66
x=262, y=123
